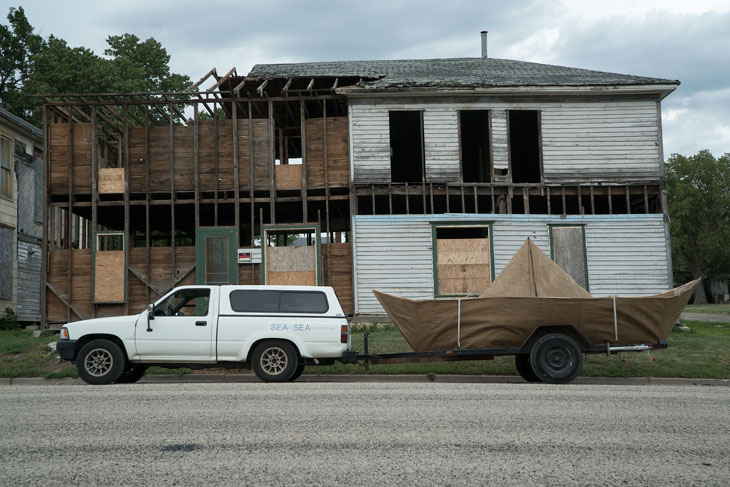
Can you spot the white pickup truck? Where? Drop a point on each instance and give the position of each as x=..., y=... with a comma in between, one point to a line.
x=276, y=330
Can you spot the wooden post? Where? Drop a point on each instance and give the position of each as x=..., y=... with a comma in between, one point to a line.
x=236, y=162
x=628, y=201
x=252, y=174
x=148, y=237
x=44, y=242
x=610, y=202
x=593, y=203
x=272, y=169
x=125, y=160
x=526, y=200
x=326, y=171
x=215, y=162
x=580, y=202
x=172, y=196
x=196, y=164
x=67, y=233
x=302, y=124
x=565, y=210
x=548, y=201
x=646, y=200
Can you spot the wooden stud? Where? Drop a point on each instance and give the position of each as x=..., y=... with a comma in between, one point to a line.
x=326, y=171
x=302, y=124
x=408, y=209
x=196, y=164
x=476, y=201
x=148, y=237
x=215, y=162
x=463, y=205
x=172, y=196
x=494, y=210
x=628, y=201
x=67, y=220
x=252, y=174
x=610, y=200
x=272, y=169
x=593, y=203
x=372, y=195
x=430, y=192
x=236, y=162
x=580, y=202
x=45, y=184
x=448, y=210
x=565, y=209
x=127, y=232
x=646, y=200
x=390, y=199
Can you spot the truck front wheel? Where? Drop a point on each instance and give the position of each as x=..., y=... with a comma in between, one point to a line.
x=556, y=359
x=100, y=362
x=275, y=361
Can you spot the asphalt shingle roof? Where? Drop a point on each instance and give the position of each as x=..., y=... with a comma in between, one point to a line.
x=451, y=73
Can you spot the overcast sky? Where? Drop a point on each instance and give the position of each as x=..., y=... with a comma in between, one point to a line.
x=685, y=40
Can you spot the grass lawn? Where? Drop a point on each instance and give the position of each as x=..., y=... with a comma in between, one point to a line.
x=702, y=352
x=723, y=309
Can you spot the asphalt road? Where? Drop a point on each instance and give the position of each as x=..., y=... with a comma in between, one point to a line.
x=364, y=434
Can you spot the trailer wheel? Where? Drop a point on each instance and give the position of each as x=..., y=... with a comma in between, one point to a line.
x=556, y=359
x=275, y=361
x=100, y=362
x=522, y=362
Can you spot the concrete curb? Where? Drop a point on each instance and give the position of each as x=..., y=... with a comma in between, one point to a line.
x=374, y=378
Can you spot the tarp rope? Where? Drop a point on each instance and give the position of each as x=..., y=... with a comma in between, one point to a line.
x=458, y=323
x=615, y=321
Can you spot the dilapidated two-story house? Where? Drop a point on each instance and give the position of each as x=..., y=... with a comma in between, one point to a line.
x=414, y=177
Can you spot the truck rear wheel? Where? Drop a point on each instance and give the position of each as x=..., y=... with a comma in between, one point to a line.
x=556, y=359
x=522, y=362
x=275, y=361
x=100, y=362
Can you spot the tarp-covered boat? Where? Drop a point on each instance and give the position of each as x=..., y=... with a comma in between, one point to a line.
x=530, y=292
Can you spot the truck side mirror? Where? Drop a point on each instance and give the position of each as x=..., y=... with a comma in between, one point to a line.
x=150, y=315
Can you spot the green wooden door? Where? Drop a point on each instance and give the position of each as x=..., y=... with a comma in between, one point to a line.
x=216, y=251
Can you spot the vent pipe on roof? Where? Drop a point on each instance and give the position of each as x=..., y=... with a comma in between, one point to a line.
x=484, y=44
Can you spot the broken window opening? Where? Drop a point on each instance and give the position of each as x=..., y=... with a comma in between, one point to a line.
x=475, y=146
x=406, y=146
x=524, y=146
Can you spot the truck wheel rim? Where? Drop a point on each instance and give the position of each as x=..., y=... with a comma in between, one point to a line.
x=274, y=361
x=98, y=362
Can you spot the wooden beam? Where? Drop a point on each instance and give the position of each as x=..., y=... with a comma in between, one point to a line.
x=67, y=301
x=221, y=80
x=261, y=87
x=201, y=80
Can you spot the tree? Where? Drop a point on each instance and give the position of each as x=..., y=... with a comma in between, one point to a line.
x=31, y=66
x=698, y=196
x=19, y=47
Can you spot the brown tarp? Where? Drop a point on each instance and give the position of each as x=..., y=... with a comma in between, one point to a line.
x=506, y=321
x=532, y=273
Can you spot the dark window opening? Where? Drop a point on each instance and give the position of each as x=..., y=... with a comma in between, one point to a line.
x=461, y=232
x=524, y=146
x=475, y=154
x=406, y=147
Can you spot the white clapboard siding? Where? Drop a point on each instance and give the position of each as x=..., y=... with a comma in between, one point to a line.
x=586, y=142
x=29, y=282
x=500, y=146
x=441, y=144
x=626, y=254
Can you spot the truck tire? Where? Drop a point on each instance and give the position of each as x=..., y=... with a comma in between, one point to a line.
x=275, y=361
x=522, y=362
x=100, y=362
x=297, y=373
x=556, y=358
x=132, y=374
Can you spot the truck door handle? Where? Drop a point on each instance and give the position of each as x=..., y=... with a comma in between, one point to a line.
x=201, y=323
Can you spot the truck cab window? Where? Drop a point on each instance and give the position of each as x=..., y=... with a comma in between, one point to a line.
x=185, y=302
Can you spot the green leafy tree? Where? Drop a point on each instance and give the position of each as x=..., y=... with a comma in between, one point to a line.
x=698, y=196
x=31, y=66
x=19, y=46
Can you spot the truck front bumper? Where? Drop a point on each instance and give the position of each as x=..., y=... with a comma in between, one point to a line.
x=66, y=349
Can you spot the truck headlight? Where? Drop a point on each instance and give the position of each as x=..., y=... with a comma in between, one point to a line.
x=64, y=334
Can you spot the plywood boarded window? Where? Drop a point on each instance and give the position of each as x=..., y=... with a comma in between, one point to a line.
x=524, y=146
x=475, y=146
x=7, y=252
x=110, y=264
x=406, y=146
x=462, y=260
x=568, y=250
x=292, y=255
